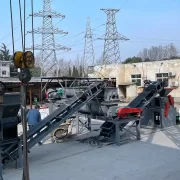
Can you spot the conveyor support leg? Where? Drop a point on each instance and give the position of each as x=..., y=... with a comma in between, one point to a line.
x=117, y=134
x=138, y=130
x=20, y=159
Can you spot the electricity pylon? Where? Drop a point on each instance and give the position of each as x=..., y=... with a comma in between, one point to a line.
x=111, y=39
x=48, y=47
x=88, y=58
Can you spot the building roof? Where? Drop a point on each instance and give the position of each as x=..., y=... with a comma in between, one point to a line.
x=8, y=62
x=16, y=80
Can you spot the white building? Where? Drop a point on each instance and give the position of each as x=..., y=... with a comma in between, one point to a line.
x=5, y=68
x=126, y=74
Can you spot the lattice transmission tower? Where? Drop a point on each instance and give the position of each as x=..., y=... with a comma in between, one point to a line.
x=111, y=53
x=48, y=47
x=88, y=57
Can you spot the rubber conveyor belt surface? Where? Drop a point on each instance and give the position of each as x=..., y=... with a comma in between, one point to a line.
x=52, y=121
x=144, y=98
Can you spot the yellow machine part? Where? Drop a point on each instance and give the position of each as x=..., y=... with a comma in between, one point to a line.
x=29, y=59
x=24, y=60
x=18, y=59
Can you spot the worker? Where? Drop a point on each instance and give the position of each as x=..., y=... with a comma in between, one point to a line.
x=34, y=117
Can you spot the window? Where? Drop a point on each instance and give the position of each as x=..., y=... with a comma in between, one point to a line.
x=136, y=78
x=3, y=72
x=3, y=64
x=162, y=77
x=90, y=69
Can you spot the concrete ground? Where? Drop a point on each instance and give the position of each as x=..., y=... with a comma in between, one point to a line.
x=155, y=157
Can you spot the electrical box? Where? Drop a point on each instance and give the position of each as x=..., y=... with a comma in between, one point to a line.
x=174, y=84
x=172, y=74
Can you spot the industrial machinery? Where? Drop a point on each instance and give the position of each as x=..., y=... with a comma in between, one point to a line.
x=154, y=106
x=9, y=107
x=90, y=100
x=151, y=107
x=161, y=111
x=54, y=120
x=97, y=107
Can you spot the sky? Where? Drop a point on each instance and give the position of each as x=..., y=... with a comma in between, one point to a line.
x=145, y=22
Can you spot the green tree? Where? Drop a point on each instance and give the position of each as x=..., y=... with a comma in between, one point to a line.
x=4, y=53
x=132, y=60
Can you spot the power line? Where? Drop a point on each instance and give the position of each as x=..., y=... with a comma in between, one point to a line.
x=16, y=40
x=13, y=29
x=134, y=41
x=27, y=34
x=124, y=4
x=73, y=36
x=80, y=50
x=155, y=39
x=12, y=25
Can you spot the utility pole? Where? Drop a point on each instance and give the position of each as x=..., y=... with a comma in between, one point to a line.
x=111, y=39
x=88, y=58
x=48, y=47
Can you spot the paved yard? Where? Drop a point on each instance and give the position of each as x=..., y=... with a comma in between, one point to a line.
x=155, y=157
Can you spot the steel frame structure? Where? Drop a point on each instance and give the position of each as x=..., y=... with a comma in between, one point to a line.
x=88, y=57
x=119, y=126
x=48, y=47
x=134, y=111
x=111, y=39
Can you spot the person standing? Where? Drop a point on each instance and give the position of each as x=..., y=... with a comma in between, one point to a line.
x=33, y=118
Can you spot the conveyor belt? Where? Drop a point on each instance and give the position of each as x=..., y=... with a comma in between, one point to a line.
x=52, y=121
x=141, y=101
x=144, y=98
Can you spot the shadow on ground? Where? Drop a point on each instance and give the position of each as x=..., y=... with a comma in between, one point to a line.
x=155, y=157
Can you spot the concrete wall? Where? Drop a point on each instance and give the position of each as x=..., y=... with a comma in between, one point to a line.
x=148, y=70
x=131, y=92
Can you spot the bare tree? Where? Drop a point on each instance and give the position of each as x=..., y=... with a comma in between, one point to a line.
x=159, y=52
x=173, y=52
x=63, y=67
x=143, y=54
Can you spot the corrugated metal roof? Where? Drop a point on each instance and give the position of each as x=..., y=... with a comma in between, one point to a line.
x=16, y=80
